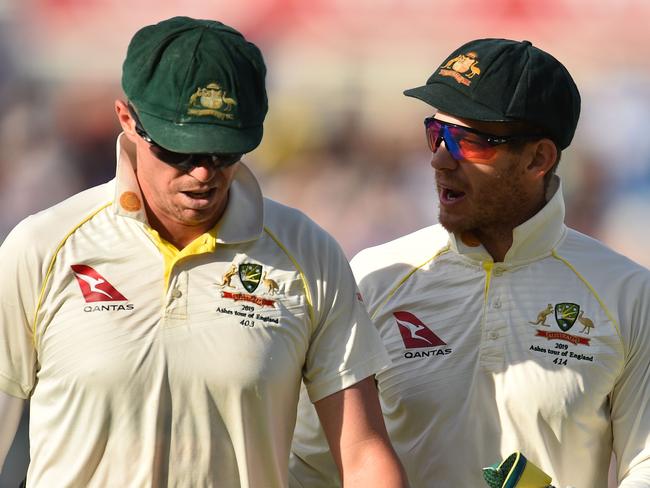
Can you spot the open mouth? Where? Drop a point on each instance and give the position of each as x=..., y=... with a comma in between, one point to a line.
x=447, y=195
x=200, y=195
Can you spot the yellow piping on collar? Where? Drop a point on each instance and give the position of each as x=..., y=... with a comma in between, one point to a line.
x=487, y=266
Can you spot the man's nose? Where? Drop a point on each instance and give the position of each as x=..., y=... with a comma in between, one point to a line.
x=442, y=159
x=204, y=170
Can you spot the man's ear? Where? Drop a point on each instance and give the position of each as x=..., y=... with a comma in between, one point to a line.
x=544, y=156
x=125, y=120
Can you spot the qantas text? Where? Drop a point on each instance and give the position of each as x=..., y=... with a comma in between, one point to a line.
x=108, y=307
x=426, y=354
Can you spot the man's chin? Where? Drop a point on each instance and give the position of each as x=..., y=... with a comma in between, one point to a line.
x=198, y=218
x=453, y=225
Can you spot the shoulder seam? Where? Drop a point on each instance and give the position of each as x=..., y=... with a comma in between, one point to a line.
x=566, y=262
x=305, y=283
x=405, y=279
x=51, y=266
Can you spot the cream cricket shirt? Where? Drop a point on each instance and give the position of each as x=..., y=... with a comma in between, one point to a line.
x=547, y=353
x=146, y=366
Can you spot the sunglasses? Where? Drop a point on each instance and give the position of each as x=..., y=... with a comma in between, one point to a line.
x=466, y=143
x=183, y=161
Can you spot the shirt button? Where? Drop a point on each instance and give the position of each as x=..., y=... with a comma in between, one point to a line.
x=494, y=335
x=496, y=303
x=177, y=293
x=498, y=272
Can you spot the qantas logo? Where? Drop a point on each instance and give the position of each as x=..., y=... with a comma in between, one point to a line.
x=417, y=335
x=414, y=333
x=94, y=286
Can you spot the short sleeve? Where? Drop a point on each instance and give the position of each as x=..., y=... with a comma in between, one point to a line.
x=20, y=270
x=630, y=399
x=345, y=346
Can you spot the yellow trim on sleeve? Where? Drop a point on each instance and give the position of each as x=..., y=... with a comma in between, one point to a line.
x=405, y=278
x=305, y=283
x=51, y=266
x=591, y=289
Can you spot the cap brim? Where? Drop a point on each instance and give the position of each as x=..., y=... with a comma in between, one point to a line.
x=201, y=138
x=453, y=102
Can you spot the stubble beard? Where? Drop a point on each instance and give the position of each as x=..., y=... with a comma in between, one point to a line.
x=494, y=208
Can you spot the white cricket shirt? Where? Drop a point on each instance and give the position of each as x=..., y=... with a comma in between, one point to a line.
x=146, y=366
x=547, y=352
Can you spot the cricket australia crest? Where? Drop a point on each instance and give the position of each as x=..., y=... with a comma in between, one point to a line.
x=566, y=315
x=250, y=276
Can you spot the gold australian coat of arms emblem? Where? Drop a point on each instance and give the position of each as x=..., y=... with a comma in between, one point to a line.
x=462, y=68
x=212, y=100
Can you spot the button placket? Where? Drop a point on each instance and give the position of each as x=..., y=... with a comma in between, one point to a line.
x=492, y=349
x=176, y=299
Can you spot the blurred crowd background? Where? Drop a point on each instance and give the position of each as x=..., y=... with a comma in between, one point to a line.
x=341, y=141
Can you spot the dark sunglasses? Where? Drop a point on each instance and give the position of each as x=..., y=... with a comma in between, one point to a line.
x=466, y=143
x=183, y=161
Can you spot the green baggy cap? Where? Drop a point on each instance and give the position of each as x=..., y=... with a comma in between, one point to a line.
x=500, y=80
x=197, y=85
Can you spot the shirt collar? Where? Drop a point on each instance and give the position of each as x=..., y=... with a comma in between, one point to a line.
x=535, y=237
x=242, y=221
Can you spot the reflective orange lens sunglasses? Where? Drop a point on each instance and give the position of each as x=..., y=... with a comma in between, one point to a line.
x=465, y=143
